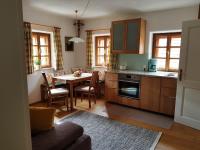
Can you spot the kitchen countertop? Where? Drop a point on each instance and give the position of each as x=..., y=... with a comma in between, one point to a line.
x=146, y=73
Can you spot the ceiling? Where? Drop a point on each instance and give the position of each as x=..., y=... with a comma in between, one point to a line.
x=100, y=8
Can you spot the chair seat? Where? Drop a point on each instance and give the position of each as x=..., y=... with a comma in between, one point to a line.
x=58, y=91
x=84, y=88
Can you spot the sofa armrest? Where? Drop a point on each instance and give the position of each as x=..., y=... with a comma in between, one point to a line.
x=58, y=138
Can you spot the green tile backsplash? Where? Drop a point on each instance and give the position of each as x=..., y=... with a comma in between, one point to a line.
x=133, y=61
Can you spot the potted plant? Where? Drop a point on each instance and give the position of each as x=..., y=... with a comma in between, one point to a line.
x=37, y=64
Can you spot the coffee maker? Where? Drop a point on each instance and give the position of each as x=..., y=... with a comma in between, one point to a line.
x=152, y=65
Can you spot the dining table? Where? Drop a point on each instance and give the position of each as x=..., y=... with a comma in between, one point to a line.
x=72, y=80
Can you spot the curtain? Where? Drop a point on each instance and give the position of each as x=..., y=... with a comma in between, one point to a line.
x=89, y=50
x=28, y=48
x=113, y=61
x=58, y=49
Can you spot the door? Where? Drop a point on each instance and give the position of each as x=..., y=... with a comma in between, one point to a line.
x=133, y=35
x=188, y=88
x=118, y=31
x=150, y=93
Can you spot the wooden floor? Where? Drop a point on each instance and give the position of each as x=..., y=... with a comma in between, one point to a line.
x=178, y=137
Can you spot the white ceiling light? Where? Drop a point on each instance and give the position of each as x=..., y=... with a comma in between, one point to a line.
x=78, y=25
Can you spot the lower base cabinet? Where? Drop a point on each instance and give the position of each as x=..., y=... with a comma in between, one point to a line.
x=158, y=94
x=168, y=96
x=150, y=93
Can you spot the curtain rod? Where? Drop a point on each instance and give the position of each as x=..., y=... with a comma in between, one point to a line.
x=105, y=29
x=44, y=25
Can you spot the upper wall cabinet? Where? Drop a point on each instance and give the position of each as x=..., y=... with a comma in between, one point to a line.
x=128, y=36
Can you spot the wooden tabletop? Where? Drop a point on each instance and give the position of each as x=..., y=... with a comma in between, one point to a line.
x=71, y=77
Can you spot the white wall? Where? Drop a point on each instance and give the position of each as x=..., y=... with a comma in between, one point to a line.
x=156, y=21
x=14, y=114
x=34, y=15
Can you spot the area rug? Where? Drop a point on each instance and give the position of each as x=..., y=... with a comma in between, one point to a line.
x=108, y=134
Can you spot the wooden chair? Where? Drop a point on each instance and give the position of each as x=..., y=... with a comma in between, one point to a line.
x=89, y=90
x=54, y=94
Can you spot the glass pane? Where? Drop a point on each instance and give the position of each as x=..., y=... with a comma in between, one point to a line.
x=35, y=51
x=175, y=53
x=162, y=42
x=174, y=64
x=176, y=42
x=161, y=52
x=44, y=61
x=44, y=51
x=36, y=63
x=101, y=42
x=34, y=40
x=100, y=51
x=101, y=60
x=161, y=63
x=108, y=42
x=43, y=40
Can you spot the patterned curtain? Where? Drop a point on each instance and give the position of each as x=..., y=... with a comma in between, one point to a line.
x=89, y=50
x=28, y=48
x=113, y=61
x=58, y=49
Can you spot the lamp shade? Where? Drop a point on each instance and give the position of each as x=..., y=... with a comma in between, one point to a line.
x=76, y=40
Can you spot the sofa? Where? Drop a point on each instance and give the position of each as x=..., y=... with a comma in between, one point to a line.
x=49, y=136
x=66, y=136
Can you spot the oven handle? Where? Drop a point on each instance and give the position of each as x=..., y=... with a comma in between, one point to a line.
x=129, y=81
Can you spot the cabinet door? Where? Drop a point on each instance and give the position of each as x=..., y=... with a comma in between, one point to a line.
x=150, y=93
x=118, y=31
x=167, y=101
x=133, y=35
x=111, y=87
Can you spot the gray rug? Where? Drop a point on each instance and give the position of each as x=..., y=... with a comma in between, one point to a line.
x=107, y=134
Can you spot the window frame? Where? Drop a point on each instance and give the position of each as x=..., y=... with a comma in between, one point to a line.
x=169, y=36
x=106, y=37
x=38, y=34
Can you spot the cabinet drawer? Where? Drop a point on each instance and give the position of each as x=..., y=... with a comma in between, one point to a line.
x=111, y=76
x=130, y=102
x=168, y=83
x=111, y=84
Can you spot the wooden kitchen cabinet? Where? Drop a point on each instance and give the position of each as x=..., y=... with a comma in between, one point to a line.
x=168, y=96
x=128, y=36
x=150, y=93
x=111, y=87
x=157, y=94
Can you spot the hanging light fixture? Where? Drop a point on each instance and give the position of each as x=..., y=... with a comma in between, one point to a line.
x=78, y=25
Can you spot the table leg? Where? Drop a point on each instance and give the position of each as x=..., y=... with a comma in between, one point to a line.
x=71, y=96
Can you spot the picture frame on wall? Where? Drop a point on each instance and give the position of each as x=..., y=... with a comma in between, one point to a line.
x=69, y=46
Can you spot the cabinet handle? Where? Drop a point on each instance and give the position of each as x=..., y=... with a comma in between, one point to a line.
x=180, y=74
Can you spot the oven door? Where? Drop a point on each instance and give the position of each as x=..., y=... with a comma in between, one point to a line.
x=129, y=89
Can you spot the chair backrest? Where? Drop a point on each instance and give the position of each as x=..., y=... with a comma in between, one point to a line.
x=95, y=79
x=46, y=81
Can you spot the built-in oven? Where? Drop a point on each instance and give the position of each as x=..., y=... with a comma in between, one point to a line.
x=129, y=85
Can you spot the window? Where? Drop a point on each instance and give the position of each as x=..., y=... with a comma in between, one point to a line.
x=166, y=49
x=41, y=50
x=102, y=48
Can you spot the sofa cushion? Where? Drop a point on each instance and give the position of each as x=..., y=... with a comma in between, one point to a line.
x=41, y=118
x=58, y=138
x=83, y=143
